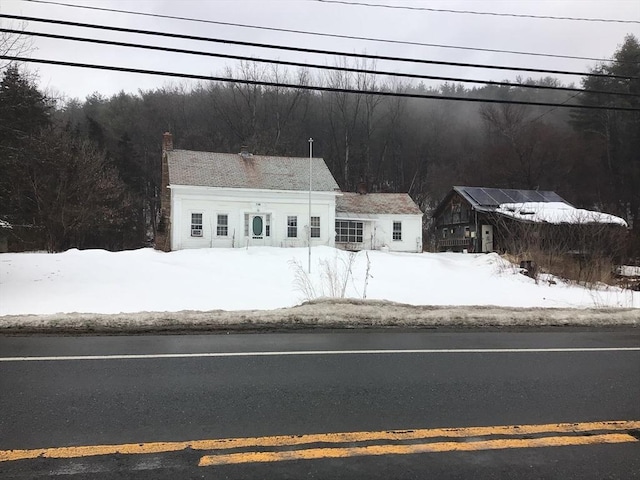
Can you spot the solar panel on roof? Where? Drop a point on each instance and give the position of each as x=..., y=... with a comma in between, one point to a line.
x=520, y=196
x=501, y=196
x=497, y=196
x=551, y=197
x=479, y=195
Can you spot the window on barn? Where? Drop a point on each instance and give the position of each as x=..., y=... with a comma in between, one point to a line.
x=348, y=231
x=455, y=213
x=397, y=230
x=196, y=224
x=315, y=227
x=222, y=228
x=465, y=214
x=292, y=226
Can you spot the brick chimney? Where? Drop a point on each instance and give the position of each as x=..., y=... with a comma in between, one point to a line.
x=167, y=142
x=362, y=187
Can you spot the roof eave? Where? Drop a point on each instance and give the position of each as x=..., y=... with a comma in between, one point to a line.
x=243, y=189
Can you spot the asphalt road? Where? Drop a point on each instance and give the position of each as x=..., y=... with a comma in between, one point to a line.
x=132, y=401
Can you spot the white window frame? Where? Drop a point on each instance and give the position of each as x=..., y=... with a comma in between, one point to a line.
x=292, y=226
x=197, y=229
x=349, y=231
x=222, y=227
x=315, y=227
x=396, y=234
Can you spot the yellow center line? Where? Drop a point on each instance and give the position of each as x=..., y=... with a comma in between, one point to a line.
x=334, y=438
x=336, y=452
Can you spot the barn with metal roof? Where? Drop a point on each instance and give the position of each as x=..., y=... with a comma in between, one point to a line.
x=471, y=218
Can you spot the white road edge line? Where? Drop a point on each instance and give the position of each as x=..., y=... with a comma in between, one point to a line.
x=315, y=352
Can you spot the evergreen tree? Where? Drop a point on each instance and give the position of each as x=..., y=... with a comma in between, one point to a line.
x=55, y=185
x=615, y=135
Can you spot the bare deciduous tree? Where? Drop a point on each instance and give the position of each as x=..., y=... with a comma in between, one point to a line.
x=14, y=44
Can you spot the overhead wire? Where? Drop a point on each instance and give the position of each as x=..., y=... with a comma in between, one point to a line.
x=475, y=12
x=553, y=109
x=309, y=65
x=320, y=88
x=319, y=34
x=310, y=50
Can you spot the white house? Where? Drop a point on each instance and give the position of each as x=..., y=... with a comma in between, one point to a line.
x=235, y=200
x=373, y=221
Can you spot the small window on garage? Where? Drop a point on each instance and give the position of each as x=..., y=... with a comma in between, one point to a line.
x=196, y=224
x=397, y=230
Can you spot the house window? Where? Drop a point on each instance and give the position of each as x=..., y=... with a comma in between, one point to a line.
x=315, y=227
x=196, y=224
x=222, y=229
x=397, y=230
x=348, y=231
x=455, y=213
x=444, y=232
x=292, y=226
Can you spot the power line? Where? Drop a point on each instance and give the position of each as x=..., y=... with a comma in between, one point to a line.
x=471, y=12
x=308, y=65
x=311, y=50
x=192, y=76
x=552, y=109
x=326, y=35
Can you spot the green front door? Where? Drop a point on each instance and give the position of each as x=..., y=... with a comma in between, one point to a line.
x=257, y=227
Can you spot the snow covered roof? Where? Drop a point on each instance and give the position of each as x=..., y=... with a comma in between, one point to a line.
x=538, y=206
x=376, y=203
x=555, y=213
x=233, y=170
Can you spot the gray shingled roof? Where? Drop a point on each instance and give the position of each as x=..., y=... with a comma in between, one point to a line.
x=377, y=203
x=232, y=170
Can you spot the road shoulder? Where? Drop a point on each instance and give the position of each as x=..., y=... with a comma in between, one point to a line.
x=322, y=313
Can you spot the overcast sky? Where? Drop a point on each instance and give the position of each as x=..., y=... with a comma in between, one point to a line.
x=558, y=37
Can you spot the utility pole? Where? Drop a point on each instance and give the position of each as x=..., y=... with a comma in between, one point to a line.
x=309, y=224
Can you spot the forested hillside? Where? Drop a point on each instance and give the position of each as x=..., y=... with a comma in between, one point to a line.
x=86, y=173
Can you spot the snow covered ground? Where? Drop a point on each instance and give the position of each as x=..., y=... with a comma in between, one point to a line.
x=264, y=278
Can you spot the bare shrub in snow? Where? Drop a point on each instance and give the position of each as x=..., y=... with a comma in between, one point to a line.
x=301, y=280
x=607, y=296
x=582, y=251
x=367, y=276
x=334, y=277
